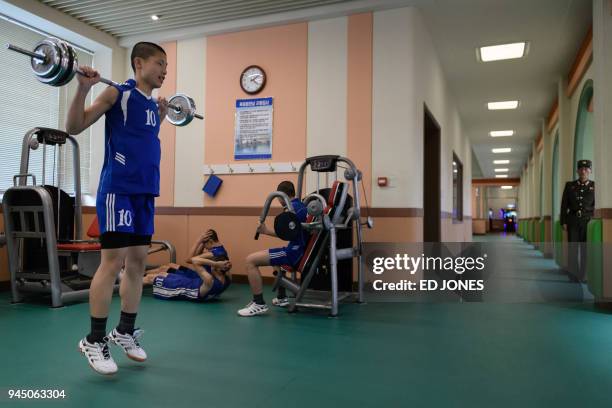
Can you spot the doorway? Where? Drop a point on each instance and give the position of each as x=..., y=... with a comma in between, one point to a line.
x=431, y=178
x=583, y=137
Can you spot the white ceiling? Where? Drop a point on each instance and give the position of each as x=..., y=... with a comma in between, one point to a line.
x=554, y=29
x=123, y=18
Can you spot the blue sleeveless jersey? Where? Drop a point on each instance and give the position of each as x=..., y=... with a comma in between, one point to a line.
x=133, y=152
x=302, y=213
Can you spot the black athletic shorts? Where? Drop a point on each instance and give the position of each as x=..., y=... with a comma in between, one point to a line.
x=113, y=239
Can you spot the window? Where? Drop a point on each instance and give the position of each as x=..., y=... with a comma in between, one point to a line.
x=36, y=104
x=457, y=189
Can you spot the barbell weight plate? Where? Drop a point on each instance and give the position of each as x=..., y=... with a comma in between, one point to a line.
x=72, y=65
x=192, y=110
x=50, y=66
x=61, y=80
x=287, y=226
x=185, y=112
x=65, y=60
x=315, y=208
x=57, y=64
x=62, y=66
x=75, y=64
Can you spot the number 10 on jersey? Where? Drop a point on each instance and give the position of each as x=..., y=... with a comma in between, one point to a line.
x=151, y=121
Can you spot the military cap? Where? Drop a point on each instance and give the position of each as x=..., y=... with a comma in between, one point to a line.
x=583, y=163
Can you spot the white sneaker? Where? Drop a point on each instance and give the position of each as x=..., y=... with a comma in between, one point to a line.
x=98, y=356
x=129, y=344
x=253, y=309
x=280, y=302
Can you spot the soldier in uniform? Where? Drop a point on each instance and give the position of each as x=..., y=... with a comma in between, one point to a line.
x=577, y=206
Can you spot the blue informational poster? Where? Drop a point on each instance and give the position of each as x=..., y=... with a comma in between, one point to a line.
x=253, y=129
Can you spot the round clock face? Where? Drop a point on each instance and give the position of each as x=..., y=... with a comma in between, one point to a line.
x=252, y=79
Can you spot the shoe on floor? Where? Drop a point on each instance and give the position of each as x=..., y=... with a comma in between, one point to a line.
x=280, y=302
x=129, y=344
x=253, y=309
x=98, y=356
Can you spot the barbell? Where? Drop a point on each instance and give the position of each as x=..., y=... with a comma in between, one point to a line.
x=54, y=62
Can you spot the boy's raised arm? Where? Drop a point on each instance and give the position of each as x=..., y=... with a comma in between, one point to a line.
x=79, y=118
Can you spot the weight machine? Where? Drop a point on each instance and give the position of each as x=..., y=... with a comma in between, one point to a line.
x=43, y=229
x=326, y=268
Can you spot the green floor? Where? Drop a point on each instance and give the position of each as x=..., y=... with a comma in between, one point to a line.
x=374, y=355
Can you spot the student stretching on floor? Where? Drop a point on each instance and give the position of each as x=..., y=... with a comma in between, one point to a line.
x=204, y=275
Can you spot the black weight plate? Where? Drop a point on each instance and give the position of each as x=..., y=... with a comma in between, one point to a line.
x=287, y=226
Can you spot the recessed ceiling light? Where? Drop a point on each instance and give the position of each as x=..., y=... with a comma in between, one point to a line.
x=506, y=187
x=501, y=133
x=501, y=176
x=502, y=150
x=502, y=52
x=501, y=161
x=501, y=170
x=154, y=17
x=502, y=105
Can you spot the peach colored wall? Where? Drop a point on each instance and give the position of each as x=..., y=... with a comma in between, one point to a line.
x=282, y=52
x=236, y=233
x=395, y=229
x=359, y=97
x=247, y=190
x=173, y=228
x=458, y=232
x=479, y=226
x=167, y=133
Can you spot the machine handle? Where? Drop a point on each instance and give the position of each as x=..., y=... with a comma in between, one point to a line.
x=15, y=177
x=261, y=220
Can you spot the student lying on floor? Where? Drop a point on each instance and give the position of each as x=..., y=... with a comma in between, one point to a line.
x=203, y=276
